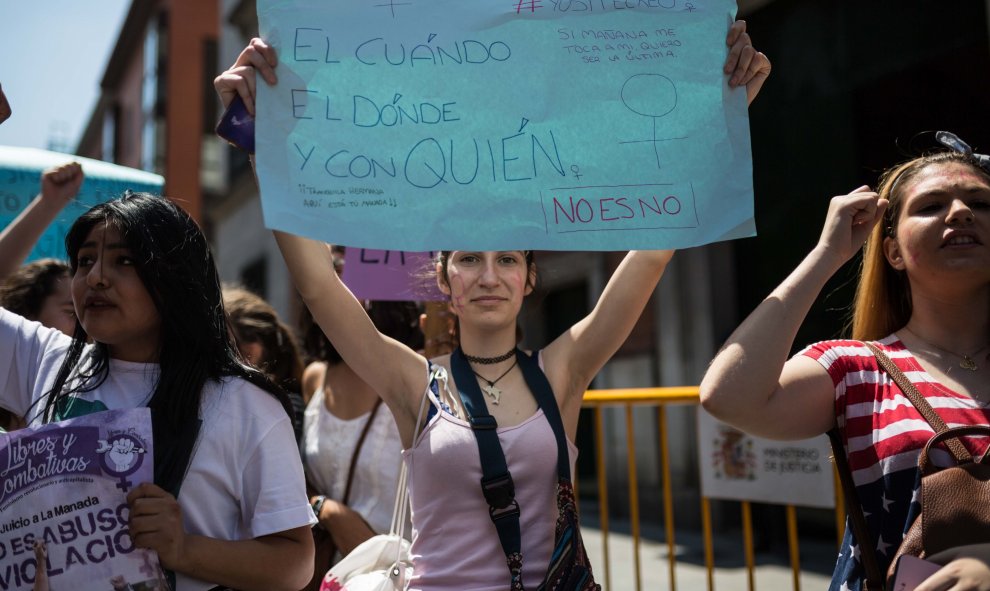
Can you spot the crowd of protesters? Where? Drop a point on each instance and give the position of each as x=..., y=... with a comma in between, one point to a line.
x=299, y=443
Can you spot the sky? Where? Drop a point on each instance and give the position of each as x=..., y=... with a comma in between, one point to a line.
x=54, y=55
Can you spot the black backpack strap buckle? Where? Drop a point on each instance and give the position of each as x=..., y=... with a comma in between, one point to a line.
x=500, y=492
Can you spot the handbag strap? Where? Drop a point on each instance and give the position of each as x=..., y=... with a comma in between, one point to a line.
x=401, y=507
x=540, y=386
x=867, y=552
x=957, y=449
x=496, y=481
x=357, y=451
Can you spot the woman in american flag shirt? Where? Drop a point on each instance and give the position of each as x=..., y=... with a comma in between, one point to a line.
x=924, y=299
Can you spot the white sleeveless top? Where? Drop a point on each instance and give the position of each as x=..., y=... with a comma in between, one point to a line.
x=328, y=444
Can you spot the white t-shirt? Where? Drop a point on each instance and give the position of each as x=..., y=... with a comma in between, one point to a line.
x=245, y=477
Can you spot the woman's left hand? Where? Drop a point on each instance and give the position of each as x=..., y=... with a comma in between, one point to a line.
x=258, y=58
x=744, y=65
x=962, y=574
x=156, y=523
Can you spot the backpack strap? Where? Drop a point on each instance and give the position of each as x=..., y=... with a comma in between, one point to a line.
x=540, y=386
x=496, y=481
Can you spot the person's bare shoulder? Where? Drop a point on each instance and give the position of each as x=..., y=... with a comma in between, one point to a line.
x=312, y=377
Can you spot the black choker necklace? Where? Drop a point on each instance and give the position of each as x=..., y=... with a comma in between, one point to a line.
x=490, y=360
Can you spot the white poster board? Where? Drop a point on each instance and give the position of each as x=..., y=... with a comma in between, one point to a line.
x=738, y=466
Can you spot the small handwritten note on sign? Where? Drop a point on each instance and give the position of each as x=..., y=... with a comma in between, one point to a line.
x=498, y=124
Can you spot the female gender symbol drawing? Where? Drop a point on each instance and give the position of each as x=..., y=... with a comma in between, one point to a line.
x=121, y=454
x=653, y=96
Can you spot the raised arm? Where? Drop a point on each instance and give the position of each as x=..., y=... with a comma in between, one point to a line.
x=750, y=383
x=396, y=372
x=58, y=186
x=573, y=358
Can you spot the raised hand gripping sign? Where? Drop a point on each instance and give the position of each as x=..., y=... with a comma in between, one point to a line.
x=498, y=124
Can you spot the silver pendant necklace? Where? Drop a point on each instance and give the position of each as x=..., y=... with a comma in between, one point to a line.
x=491, y=390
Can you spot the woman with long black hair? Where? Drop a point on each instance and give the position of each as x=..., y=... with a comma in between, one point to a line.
x=147, y=295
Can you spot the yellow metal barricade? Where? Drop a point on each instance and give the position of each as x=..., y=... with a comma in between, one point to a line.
x=598, y=400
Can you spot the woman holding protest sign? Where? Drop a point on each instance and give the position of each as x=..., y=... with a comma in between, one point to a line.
x=146, y=292
x=923, y=300
x=455, y=544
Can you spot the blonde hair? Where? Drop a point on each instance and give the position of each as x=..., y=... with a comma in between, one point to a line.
x=883, y=296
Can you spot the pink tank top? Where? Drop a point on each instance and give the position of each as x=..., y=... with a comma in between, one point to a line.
x=455, y=545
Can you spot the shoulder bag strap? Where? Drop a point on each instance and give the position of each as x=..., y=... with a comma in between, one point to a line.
x=857, y=521
x=957, y=449
x=401, y=507
x=357, y=451
x=540, y=386
x=496, y=482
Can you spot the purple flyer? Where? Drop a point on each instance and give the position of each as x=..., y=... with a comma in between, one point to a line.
x=63, y=508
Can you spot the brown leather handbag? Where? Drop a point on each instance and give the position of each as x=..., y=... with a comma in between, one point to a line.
x=955, y=502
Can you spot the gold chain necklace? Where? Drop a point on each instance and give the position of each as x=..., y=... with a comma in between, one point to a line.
x=966, y=361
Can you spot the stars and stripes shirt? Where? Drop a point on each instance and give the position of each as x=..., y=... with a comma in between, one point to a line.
x=883, y=435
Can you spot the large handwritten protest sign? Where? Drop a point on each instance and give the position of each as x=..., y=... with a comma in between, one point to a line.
x=20, y=181
x=500, y=124
x=66, y=483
